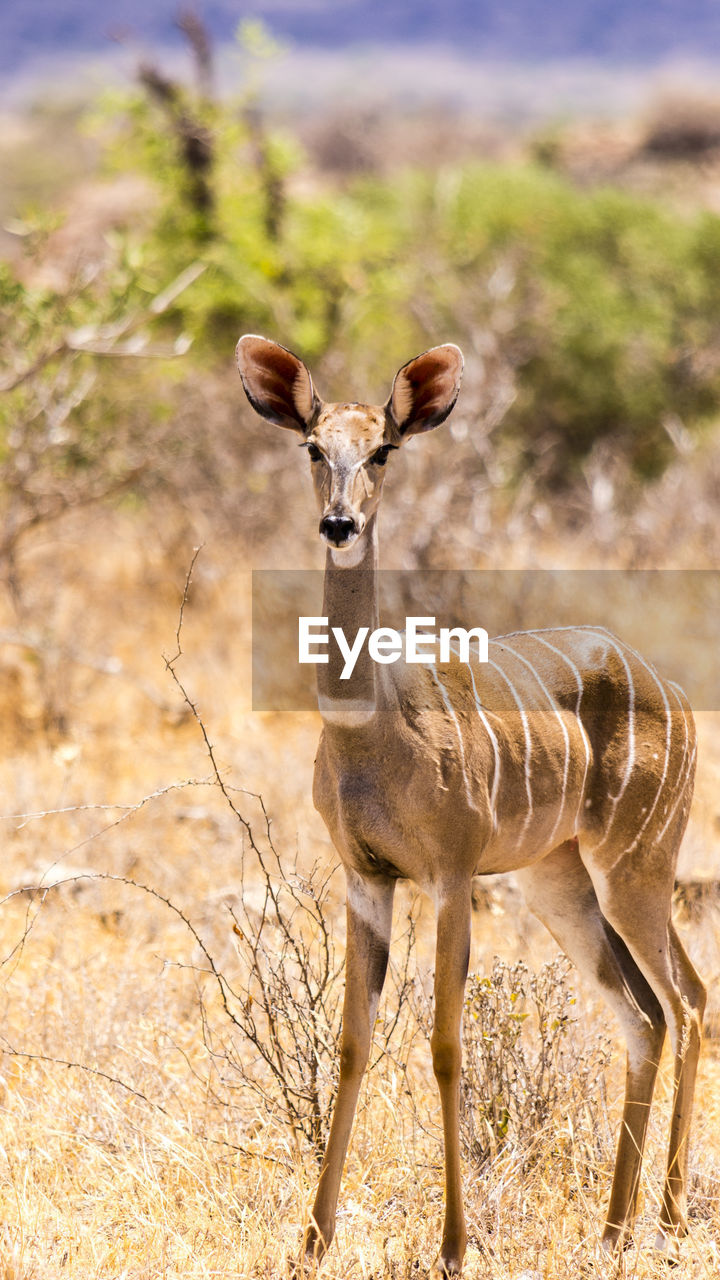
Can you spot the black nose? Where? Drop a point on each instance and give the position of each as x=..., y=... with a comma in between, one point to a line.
x=337, y=529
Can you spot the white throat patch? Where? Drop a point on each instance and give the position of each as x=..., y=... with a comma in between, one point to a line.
x=349, y=557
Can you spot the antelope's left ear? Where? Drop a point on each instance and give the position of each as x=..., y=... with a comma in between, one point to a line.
x=425, y=390
x=276, y=382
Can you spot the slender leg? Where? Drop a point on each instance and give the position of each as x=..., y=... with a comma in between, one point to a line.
x=640, y=1079
x=369, y=918
x=673, y=1216
x=451, y=965
x=560, y=892
x=645, y=926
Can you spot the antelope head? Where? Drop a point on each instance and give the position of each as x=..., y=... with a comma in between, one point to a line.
x=348, y=444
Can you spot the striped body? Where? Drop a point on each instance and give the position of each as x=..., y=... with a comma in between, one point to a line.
x=587, y=741
x=565, y=733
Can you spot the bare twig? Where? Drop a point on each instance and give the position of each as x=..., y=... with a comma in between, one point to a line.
x=99, y=340
x=186, y=589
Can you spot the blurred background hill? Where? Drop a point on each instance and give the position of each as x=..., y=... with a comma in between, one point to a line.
x=626, y=30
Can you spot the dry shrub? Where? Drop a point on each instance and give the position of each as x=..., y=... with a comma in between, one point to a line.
x=286, y=1005
x=526, y=1062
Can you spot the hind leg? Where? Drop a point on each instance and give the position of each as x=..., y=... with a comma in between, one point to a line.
x=560, y=892
x=637, y=905
x=673, y=1216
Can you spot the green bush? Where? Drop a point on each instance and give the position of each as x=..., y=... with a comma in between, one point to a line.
x=602, y=306
x=610, y=309
x=605, y=304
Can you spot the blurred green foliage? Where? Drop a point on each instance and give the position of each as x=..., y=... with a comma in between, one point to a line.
x=81, y=410
x=604, y=306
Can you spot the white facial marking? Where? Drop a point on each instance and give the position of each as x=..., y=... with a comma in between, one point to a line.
x=349, y=712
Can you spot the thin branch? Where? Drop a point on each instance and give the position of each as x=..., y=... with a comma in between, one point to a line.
x=81, y=1066
x=82, y=341
x=188, y=579
x=127, y=809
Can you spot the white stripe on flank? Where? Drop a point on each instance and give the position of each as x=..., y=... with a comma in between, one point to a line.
x=631, y=728
x=688, y=760
x=496, y=750
x=528, y=740
x=451, y=711
x=586, y=740
x=563, y=726
x=668, y=735
x=677, y=690
x=349, y=712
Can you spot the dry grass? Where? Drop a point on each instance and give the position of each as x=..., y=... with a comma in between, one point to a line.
x=146, y=1157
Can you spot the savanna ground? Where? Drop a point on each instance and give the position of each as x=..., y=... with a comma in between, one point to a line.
x=150, y=948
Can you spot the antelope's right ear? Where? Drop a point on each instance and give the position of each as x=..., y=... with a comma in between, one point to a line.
x=276, y=383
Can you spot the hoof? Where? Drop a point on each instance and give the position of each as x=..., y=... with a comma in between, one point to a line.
x=314, y=1249
x=306, y=1267
x=668, y=1245
x=445, y=1268
x=616, y=1241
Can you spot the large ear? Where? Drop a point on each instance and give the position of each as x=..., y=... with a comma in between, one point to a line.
x=276, y=383
x=425, y=389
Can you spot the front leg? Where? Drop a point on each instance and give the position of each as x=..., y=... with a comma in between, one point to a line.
x=369, y=919
x=451, y=966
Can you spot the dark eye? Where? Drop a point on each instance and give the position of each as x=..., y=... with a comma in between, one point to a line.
x=380, y=456
x=314, y=453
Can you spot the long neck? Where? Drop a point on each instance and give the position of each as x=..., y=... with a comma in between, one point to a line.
x=350, y=602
